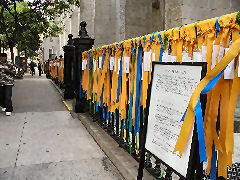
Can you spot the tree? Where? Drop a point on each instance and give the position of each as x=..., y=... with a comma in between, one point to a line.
x=22, y=23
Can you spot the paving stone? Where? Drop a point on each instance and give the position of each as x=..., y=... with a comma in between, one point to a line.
x=11, y=128
x=96, y=168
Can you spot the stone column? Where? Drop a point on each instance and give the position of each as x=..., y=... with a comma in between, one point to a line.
x=69, y=57
x=87, y=13
x=104, y=24
x=82, y=43
x=138, y=18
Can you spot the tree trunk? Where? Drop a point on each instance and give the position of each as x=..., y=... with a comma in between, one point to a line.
x=3, y=47
x=12, y=54
x=18, y=52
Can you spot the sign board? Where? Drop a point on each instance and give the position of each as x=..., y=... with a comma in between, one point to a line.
x=172, y=87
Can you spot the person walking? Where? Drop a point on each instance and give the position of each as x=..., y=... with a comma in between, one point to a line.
x=32, y=65
x=40, y=68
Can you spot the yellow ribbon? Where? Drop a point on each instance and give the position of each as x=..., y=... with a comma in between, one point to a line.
x=189, y=118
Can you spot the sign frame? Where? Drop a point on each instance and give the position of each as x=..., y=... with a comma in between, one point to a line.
x=195, y=168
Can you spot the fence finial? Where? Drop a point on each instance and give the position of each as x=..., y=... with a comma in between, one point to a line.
x=83, y=31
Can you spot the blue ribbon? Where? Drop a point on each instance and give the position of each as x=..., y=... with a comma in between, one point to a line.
x=125, y=124
x=152, y=37
x=208, y=87
x=183, y=117
x=131, y=98
x=90, y=64
x=213, y=164
x=96, y=106
x=120, y=75
x=144, y=39
x=107, y=115
x=90, y=69
x=139, y=104
x=169, y=47
x=101, y=102
x=199, y=117
x=132, y=48
x=212, y=83
x=103, y=113
x=104, y=55
x=161, y=48
x=180, y=29
x=200, y=130
x=138, y=88
x=80, y=90
x=130, y=112
x=217, y=27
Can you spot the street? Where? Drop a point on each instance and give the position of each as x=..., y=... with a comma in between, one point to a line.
x=41, y=140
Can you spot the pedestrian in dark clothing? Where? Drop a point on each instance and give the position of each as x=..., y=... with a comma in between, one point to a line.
x=39, y=69
x=32, y=65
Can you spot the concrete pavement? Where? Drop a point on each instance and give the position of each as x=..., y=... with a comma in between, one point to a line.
x=41, y=140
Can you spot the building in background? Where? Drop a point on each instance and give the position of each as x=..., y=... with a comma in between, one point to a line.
x=52, y=47
x=110, y=21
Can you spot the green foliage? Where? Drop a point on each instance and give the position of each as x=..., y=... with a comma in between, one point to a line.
x=22, y=23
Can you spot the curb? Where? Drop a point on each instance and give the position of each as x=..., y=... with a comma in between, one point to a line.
x=66, y=105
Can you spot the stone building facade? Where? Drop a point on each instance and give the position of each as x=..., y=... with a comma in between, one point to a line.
x=111, y=21
x=52, y=47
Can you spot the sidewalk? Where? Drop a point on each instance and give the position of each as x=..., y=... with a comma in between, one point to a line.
x=120, y=158
x=41, y=140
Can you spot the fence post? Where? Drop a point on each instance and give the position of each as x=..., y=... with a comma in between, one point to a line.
x=82, y=43
x=69, y=56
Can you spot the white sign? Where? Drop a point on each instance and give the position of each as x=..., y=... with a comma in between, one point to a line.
x=197, y=57
x=100, y=62
x=238, y=67
x=83, y=64
x=147, y=61
x=172, y=87
x=185, y=57
x=153, y=56
x=229, y=71
x=204, y=53
x=166, y=57
x=94, y=65
x=173, y=58
x=119, y=64
x=126, y=64
x=221, y=52
x=112, y=60
x=214, y=56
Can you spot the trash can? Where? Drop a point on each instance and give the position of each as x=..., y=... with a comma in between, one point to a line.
x=8, y=99
x=6, y=84
x=2, y=96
